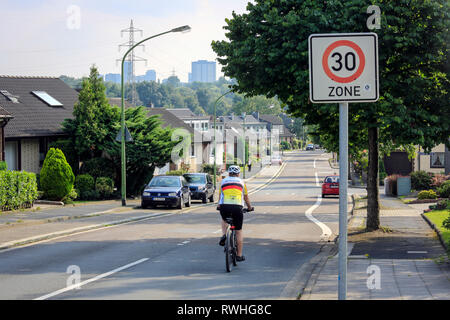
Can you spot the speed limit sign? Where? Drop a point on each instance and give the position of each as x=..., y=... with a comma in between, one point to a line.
x=343, y=67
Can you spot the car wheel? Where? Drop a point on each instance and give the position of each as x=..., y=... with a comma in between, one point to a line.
x=143, y=205
x=188, y=203
x=204, y=198
x=181, y=204
x=323, y=196
x=211, y=199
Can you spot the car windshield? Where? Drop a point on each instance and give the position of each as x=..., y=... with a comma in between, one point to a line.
x=164, y=181
x=332, y=179
x=195, y=178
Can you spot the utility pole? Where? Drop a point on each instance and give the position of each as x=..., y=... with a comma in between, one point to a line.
x=131, y=59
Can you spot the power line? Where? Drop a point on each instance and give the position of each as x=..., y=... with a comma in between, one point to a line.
x=131, y=59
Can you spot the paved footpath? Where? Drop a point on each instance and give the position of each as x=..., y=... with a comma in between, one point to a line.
x=46, y=221
x=404, y=262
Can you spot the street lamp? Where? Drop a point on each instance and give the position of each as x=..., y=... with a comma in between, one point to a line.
x=122, y=121
x=244, y=161
x=215, y=144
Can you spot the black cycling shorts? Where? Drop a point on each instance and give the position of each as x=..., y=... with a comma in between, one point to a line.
x=235, y=211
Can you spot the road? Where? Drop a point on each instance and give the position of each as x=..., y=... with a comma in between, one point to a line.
x=177, y=256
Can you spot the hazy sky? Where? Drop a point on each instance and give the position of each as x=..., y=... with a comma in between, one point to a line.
x=60, y=37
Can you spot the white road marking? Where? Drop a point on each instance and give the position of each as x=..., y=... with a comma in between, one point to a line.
x=326, y=232
x=101, y=276
x=314, y=165
x=317, y=180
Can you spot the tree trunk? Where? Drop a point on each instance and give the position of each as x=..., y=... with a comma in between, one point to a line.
x=373, y=196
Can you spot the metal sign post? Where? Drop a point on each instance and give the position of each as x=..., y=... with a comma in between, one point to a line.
x=343, y=68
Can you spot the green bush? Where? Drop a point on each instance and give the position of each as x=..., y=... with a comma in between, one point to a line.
x=421, y=180
x=99, y=167
x=18, y=189
x=209, y=168
x=443, y=204
x=84, y=184
x=444, y=189
x=70, y=197
x=176, y=172
x=284, y=145
x=56, y=177
x=3, y=165
x=427, y=194
x=446, y=223
x=104, y=186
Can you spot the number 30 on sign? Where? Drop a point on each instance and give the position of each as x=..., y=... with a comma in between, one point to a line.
x=343, y=67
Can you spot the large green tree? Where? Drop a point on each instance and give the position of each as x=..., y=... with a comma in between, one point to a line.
x=267, y=53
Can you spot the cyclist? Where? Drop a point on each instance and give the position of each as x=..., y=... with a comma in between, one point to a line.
x=233, y=193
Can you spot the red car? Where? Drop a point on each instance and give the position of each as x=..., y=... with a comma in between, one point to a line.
x=330, y=186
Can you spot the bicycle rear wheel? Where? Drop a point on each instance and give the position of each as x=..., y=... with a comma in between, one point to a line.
x=229, y=251
x=234, y=246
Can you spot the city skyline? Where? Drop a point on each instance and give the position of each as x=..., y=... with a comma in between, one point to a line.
x=54, y=38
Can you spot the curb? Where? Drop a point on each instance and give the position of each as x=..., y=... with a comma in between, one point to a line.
x=56, y=203
x=438, y=232
x=315, y=265
x=21, y=242
x=26, y=241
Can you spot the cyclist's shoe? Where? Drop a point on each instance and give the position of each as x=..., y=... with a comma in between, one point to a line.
x=222, y=240
x=242, y=258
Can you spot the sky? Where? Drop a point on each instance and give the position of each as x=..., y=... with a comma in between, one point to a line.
x=61, y=37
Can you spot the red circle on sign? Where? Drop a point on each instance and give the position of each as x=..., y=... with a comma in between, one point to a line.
x=340, y=43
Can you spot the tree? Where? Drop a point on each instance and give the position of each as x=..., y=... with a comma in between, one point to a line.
x=56, y=177
x=267, y=53
x=93, y=119
x=151, y=147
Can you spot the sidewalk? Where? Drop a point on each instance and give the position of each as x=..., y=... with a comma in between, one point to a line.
x=406, y=255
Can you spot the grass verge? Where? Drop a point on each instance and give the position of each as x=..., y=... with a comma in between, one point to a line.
x=438, y=217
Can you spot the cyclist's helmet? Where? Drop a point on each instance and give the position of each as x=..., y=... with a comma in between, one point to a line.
x=234, y=169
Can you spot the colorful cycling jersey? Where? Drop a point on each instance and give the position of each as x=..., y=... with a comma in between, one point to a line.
x=232, y=191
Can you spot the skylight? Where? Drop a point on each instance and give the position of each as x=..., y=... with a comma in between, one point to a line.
x=48, y=99
x=9, y=96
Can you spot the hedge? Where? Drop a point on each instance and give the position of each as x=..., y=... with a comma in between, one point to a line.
x=18, y=189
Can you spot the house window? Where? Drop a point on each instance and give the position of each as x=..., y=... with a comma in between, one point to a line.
x=437, y=160
x=192, y=149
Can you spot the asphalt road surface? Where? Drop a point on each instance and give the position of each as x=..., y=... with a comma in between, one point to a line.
x=178, y=257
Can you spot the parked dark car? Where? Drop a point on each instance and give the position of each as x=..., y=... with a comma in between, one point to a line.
x=201, y=186
x=310, y=147
x=166, y=191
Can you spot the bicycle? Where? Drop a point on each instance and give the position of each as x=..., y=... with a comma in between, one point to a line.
x=230, y=248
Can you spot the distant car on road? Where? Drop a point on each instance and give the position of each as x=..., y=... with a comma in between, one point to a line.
x=201, y=186
x=276, y=160
x=166, y=191
x=310, y=147
x=330, y=186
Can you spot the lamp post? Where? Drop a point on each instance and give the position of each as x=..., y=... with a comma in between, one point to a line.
x=215, y=144
x=244, y=159
x=122, y=120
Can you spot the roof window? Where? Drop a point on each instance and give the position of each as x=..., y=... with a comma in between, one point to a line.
x=48, y=99
x=9, y=96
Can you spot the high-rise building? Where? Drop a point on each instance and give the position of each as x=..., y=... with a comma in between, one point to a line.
x=203, y=71
x=150, y=75
x=112, y=77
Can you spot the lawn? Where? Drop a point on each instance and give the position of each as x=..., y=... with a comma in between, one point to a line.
x=437, y=217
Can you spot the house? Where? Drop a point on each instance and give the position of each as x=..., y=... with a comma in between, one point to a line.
x=200, y=143
x=38, y=106
x=232, y=127
x=200, y=123
x=434, y=162
x=5, y=116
